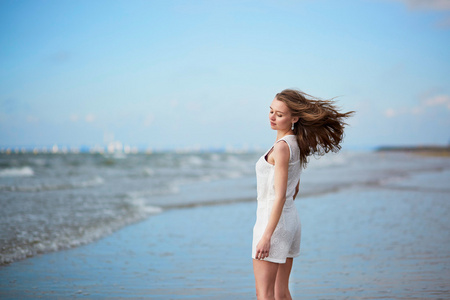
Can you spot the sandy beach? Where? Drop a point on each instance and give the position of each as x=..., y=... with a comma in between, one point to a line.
x=385, y=242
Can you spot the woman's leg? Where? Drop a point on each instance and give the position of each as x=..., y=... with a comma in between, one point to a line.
x=282, y=280
x=265, y=276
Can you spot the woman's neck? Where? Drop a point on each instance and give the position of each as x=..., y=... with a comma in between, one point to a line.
x=281, y=134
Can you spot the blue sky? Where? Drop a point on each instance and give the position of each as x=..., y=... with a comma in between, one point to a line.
x=176, y=74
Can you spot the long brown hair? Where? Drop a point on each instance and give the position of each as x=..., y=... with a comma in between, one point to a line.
x=320, y=127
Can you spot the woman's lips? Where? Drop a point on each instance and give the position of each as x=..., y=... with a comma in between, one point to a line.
x=272, y=123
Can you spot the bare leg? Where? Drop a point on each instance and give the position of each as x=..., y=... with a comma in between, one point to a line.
x=265, y=275
x=282, y=280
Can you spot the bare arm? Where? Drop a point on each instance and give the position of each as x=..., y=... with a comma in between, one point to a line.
x=281, y=157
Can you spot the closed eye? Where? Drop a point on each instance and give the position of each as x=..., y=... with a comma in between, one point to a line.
x=278, y=114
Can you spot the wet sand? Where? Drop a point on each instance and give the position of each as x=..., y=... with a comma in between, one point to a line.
x=387, y=242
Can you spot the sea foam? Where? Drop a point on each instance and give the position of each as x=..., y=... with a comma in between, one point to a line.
x=17, y=172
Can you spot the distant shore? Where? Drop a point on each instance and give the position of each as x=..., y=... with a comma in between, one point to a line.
x=420, y=150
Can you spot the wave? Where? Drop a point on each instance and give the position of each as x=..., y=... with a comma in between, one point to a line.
x=194, y=160
x=69, y=235
x=160, y=191
x=17, y=172
x=331, y=160
x=148, y=172
x=53, y=187
x=135, y=188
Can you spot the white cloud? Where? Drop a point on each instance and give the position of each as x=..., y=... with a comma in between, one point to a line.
x=417, y=110
x=90, y=118
x=438, y=100
x=74, y=117
x=434, y=101
x=428, y=4
x=148, y=120
x=442, y=6
x=390, y=112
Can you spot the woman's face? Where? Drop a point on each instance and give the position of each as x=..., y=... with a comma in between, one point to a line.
x=280, y=116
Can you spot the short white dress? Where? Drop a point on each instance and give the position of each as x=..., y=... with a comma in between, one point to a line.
x=285, y=241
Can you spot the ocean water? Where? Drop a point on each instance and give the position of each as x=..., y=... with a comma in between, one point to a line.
x=51, y=202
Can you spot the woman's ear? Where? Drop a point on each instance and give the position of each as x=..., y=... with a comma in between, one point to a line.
x=295, y=119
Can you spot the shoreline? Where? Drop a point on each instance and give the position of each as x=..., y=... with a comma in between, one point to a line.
x=438, y=151
x=309, y=190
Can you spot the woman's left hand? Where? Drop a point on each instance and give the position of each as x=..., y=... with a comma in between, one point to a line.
x=263, y=248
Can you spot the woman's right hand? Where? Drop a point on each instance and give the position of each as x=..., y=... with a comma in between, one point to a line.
x=263, y=248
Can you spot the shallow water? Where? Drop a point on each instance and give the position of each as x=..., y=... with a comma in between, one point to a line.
x=57, y=201
x=359, y=243
x=384, y=242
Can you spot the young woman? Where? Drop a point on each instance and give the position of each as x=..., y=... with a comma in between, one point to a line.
x=305, y=125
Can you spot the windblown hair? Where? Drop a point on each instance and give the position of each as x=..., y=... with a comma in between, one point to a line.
x=320, y=127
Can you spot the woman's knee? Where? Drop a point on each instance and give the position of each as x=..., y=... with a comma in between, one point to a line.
x=282, y=294
x=284, y=297
x=265, y=297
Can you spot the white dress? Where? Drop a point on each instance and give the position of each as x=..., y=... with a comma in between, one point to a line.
x=285, y=241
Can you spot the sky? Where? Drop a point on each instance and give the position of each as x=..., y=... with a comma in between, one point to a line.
x=202, y=74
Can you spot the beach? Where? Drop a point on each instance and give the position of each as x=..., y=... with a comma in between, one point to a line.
x=385, y=239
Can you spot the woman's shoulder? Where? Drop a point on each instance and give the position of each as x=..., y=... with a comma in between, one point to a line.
x=281, y=149
x=291, y=144
x=290, y=140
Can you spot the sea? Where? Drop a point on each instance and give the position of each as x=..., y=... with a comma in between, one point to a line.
x=55, y=201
